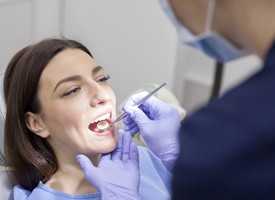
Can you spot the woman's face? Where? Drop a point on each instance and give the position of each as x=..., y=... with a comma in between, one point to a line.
x=73, y=93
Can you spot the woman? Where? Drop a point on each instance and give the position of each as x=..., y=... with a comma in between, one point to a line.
x=55, y=94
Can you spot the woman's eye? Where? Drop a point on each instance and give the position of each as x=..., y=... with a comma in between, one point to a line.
x=71, y=92
x=104, y=79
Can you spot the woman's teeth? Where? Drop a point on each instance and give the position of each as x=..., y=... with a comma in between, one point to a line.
x=103, y=117
x=100, y=123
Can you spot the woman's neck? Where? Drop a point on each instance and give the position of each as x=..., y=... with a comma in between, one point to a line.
x=69, y=178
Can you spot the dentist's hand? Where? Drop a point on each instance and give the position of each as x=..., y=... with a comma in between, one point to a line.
x=117, y=175
x=158, y=124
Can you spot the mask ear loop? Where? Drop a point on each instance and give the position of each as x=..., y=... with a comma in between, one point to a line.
x=210, y=15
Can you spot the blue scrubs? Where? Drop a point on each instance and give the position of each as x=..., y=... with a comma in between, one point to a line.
x=228, y=146
x=155, y=182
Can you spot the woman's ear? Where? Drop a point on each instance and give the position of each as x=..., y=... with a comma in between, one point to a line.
x=35, y=124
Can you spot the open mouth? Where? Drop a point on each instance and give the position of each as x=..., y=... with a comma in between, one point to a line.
x=104, y=120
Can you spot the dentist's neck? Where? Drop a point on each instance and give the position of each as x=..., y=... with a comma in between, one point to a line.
x=253, y=23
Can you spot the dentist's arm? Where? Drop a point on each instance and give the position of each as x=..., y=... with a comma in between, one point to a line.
x=117, y=175
x=158, y=124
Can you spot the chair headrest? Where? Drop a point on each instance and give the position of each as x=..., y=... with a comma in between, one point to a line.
x=2, y=112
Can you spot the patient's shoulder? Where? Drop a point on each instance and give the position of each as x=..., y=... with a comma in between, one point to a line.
x=148, y=161
x=155, y=179
x=20, y=193
x=41, y=191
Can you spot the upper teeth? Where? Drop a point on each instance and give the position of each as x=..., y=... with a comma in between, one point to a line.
x=103, y=117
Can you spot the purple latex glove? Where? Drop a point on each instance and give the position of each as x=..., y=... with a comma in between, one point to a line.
x=117, y=175
x=158, y=124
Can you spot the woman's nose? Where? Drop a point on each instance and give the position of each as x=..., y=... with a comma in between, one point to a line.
x=99, y=95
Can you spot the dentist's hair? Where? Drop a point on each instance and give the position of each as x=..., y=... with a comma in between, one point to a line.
x=30, y=157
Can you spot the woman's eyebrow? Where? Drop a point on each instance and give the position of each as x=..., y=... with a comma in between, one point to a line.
x=97, y=69
x=76, y=77
x=67, y=79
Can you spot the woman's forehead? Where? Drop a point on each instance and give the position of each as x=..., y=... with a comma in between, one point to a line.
x=70, y=62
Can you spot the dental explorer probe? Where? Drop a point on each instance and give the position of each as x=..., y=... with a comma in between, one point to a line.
x=123, y=114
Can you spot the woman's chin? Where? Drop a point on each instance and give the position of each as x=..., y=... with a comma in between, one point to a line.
x=109, y=148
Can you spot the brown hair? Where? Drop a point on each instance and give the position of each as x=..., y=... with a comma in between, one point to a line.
x=30, y=157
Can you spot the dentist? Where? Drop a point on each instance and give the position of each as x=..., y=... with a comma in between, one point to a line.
x=227, y=148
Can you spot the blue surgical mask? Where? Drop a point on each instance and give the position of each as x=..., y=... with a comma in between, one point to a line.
x=209, y=42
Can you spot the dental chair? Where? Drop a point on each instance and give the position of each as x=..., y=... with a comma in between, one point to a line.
x=7, y=183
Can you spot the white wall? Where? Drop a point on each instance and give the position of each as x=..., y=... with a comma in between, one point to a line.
x=47, y=18
x=25, y=21
x=132, y=39
x=16, y=28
